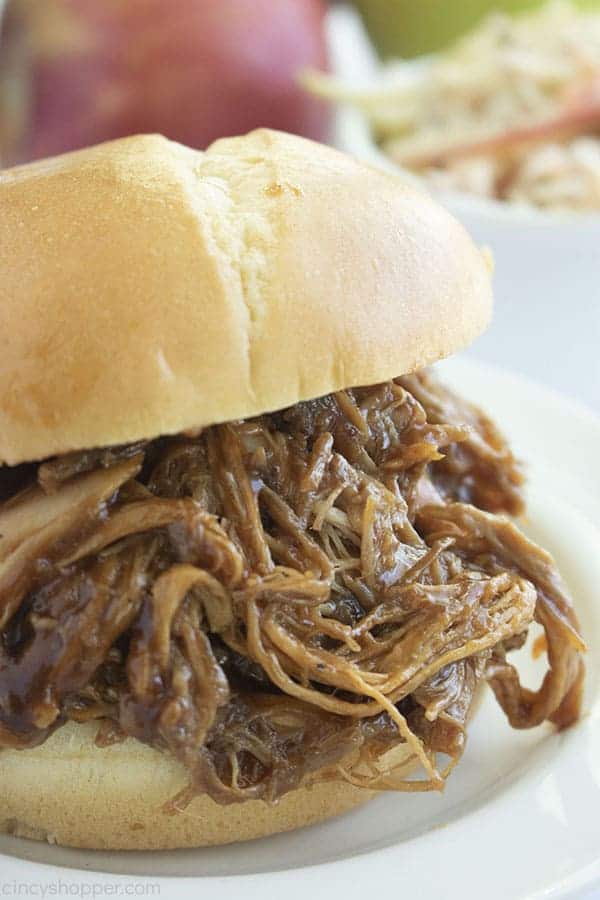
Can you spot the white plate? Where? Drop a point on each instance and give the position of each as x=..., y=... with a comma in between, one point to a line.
x=519, y=817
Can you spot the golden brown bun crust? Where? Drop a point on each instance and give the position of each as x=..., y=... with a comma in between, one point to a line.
x=146, y=288
x=70, y=792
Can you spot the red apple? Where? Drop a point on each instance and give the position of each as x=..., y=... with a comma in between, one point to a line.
x=83, y=71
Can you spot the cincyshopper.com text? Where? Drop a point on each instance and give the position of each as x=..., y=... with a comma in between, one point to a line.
x=59, y=887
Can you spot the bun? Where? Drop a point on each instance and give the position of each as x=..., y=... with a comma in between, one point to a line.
x=70, y=792
x=147, y=288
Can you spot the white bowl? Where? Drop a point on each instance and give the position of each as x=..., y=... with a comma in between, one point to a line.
x=547, y=281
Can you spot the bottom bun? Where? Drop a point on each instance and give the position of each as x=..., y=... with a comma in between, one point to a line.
x=71, y=792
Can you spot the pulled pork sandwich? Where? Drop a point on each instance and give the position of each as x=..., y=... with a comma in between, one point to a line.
x=255, y=562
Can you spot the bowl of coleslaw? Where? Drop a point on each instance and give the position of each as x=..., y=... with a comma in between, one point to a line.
x=508, y=113
x=533, y=197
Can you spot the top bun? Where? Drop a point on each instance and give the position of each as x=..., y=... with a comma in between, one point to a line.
x=146, y=288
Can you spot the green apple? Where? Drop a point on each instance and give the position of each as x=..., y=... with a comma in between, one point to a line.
x=412, y=27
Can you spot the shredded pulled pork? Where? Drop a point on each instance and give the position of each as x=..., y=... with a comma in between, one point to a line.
x=283, y=599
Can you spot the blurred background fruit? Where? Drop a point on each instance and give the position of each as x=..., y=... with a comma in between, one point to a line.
x=75, y=72
x=412, y=27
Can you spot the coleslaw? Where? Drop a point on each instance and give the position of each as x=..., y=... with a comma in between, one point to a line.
x=511, y=111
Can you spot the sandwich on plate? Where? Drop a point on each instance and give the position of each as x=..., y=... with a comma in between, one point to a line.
x=256, y=562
